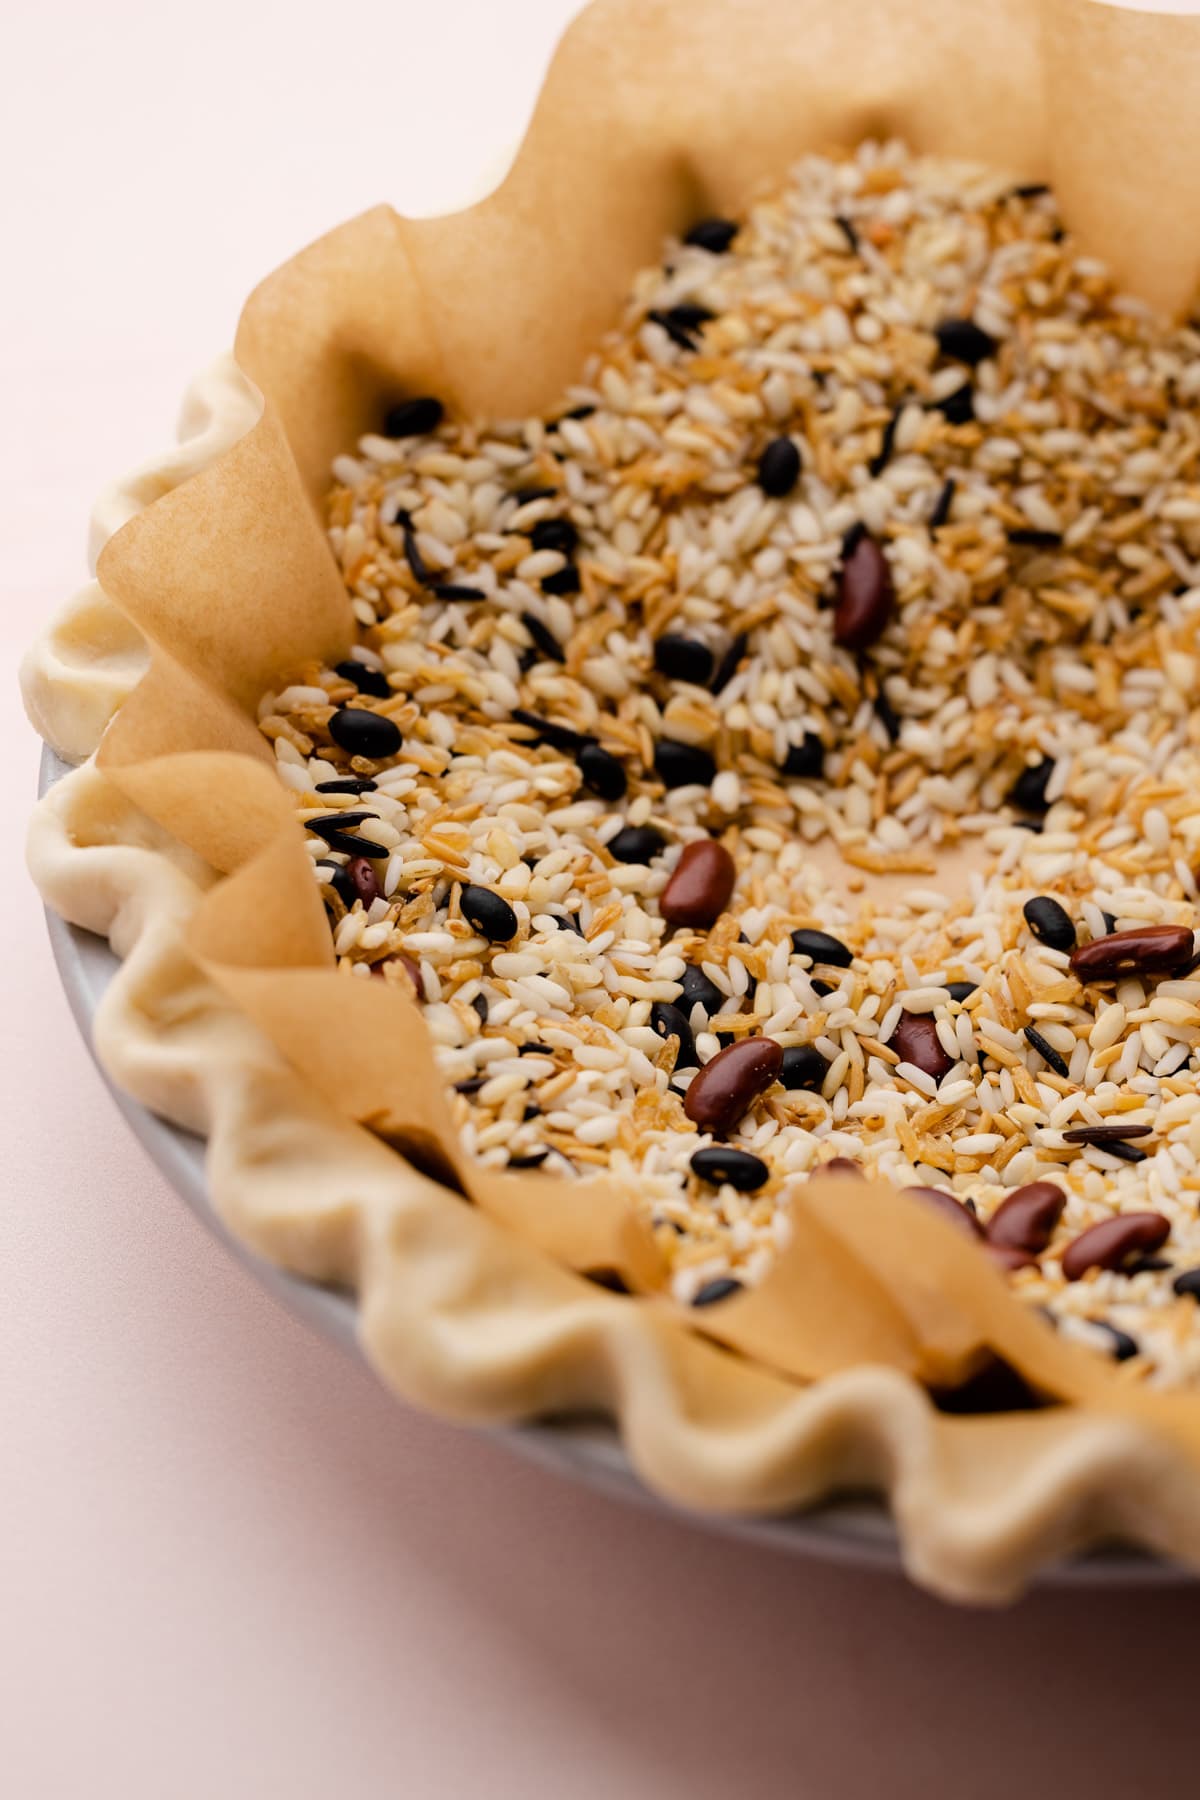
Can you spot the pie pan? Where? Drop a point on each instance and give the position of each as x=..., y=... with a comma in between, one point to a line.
x=214, y=559
x=856, y=1530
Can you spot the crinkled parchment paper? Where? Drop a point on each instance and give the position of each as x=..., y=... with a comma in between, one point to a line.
x=331, y=1146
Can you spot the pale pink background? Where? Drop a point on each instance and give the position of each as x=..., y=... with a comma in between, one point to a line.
x=229, y=1564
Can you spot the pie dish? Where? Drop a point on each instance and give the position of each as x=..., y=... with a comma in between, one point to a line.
x=826, y=545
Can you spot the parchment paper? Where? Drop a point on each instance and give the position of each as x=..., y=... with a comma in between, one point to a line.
x=653, y=114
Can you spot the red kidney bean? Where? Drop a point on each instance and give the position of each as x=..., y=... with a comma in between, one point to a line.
x=700, y=886
x=1009, y=1257
x=866, y=596
x=950, y=1207
x=723, y=1090
x=412, y=969
x=1106, y=1245
x=915, y=1040
x=1025, y=1219
x=1146, y=950
x=364, y=879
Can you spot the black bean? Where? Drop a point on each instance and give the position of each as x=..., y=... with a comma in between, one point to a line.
x=609, y=1279
x=846, y=227
x=1047, y=1052
x=602, y=772
x=1033, y=538
x=1125, y=1152
x=1028, y=190
x=738, y=1169
x=961, y=990
x=995, y=1388
x=337, y=824
x=1188, y=1282
x=488, y=913
x=480, y=1006
x=887, y=443
x=682, y=658
x=526, y=496
x=548, y=732
x=962, y=340
x=532, y=1160
x=471, y=1085
x=681, y=323
x=727, y=667
x=803, y=1067
x=416, y=562
x=941, y=506
x=779, y=467
x=1123, y=1346
x=413, y=418
x=349, y=784
x=349, y=845
x=668, y=1022
x=1110, y=921
x=714, y=235
x=1036, y=826
x=821, y=988
x=1049, y=922
x=691, y=315
x=1105, y=1135
x=564, y=581
x=805, y=760
x=362, y=733
x=554, y=534
x=957, y=408
x=698, y=990
x=1029, y=789
x=584, y=411
x=532, y=1111
x=887, y=715
x=342, y=884
x=534, y=1049
x=718, y=1289
x=636, y=844
x=822, y=947
x=543, y=638
x=340, y=832
x=683, y=765
x=366, y=680
x=457, y=590
x=569, y=922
